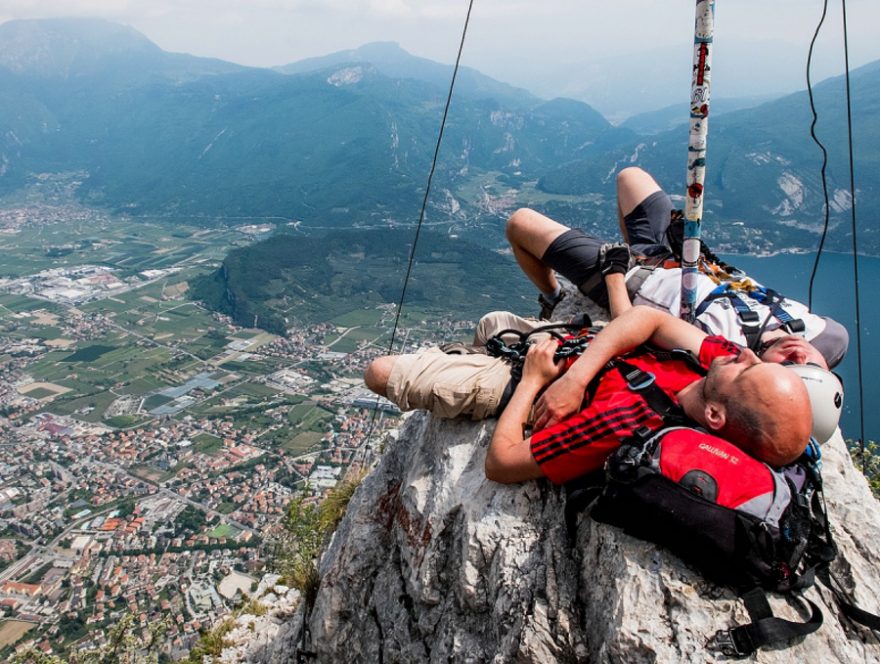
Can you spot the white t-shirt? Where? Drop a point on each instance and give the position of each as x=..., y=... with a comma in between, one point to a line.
x=662, y=290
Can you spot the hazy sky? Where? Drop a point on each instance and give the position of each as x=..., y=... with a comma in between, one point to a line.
x=511, y=40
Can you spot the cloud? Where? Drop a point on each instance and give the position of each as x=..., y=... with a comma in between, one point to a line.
x=51, y=8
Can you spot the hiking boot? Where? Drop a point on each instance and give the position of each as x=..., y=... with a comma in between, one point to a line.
x=548, y=305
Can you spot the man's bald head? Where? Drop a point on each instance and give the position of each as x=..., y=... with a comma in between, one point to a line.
x=761, y=407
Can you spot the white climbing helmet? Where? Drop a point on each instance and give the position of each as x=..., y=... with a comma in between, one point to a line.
x=826, y=398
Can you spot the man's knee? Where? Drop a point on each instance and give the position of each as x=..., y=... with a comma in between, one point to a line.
x=377, y=373
x=497, y=321
x=631, y=175
x=532, y=231
x=634, y=185
x=518, y=222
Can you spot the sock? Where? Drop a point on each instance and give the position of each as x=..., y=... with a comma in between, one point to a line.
x=552, y=296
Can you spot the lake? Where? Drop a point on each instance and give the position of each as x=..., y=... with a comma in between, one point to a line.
x=834, y=296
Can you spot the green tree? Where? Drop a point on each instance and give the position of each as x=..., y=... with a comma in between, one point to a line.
x=868, y=463
x=301, y=546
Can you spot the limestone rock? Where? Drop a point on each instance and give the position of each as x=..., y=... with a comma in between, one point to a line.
x=433, y=563
x=252, y=634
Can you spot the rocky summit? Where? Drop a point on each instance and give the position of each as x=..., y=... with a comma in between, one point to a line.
x=434, y=563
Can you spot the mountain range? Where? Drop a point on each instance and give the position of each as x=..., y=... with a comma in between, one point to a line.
x=163, y=134
x=346, y=140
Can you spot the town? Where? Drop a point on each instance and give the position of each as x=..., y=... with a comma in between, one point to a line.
x=149, y=447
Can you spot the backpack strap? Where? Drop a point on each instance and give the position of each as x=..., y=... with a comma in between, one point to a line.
x=644, y=383
x=749, y=321
x=580, y=494
x=847, y=608
x=774, y=301
x=765, y=628
x=822, y=550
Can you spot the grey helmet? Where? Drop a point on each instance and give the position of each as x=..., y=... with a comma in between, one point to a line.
x=826, y=398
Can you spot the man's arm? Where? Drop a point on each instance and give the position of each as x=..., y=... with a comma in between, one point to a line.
x=509, y=458
x=618, y=297
x=635, y=326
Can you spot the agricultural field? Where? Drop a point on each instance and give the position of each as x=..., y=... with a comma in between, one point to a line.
x=145, y=351
x=151, y=337
x=12, y=630
x=302, y=443
x=207, y=443
x=128, y=244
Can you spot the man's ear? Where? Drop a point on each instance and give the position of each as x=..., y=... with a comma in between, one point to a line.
x=715, y=414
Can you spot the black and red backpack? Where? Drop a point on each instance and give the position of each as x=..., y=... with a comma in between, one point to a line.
x=741, y=523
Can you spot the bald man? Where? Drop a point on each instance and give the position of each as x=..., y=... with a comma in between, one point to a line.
x=761, y=407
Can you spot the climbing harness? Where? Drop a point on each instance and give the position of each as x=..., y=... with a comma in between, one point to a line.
x=579, y=337
x=750, y=323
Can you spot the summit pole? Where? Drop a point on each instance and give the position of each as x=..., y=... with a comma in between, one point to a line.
x=704, y=29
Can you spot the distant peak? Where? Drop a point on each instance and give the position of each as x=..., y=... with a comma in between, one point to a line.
x=381, y=48
x=60, y=46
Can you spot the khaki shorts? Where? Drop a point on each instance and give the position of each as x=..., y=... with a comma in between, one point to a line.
x=449, y=385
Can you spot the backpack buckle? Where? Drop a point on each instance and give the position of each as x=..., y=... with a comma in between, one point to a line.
x=724, y=643
x=639, y=380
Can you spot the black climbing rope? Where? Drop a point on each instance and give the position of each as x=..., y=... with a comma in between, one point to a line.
x=816, y=140
x=826, y=208
x=415, y=243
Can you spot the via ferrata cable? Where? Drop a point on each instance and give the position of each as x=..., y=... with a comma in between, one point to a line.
x=415, y=242
x=855, y=246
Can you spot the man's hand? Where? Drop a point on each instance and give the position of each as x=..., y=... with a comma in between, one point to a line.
x=540, y=366
x=561, y=399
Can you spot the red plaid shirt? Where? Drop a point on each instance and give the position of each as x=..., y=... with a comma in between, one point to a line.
x=581, y=443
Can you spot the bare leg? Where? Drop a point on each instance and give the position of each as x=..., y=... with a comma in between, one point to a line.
x=530, y=233
x=634, y=185
x=377, y=374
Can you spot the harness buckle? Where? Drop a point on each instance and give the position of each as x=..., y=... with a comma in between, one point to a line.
x=639, y=380
x=724, y=643
x=495, y=346
x=749, y=316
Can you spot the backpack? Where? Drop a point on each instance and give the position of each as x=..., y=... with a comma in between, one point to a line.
x=740, y=522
